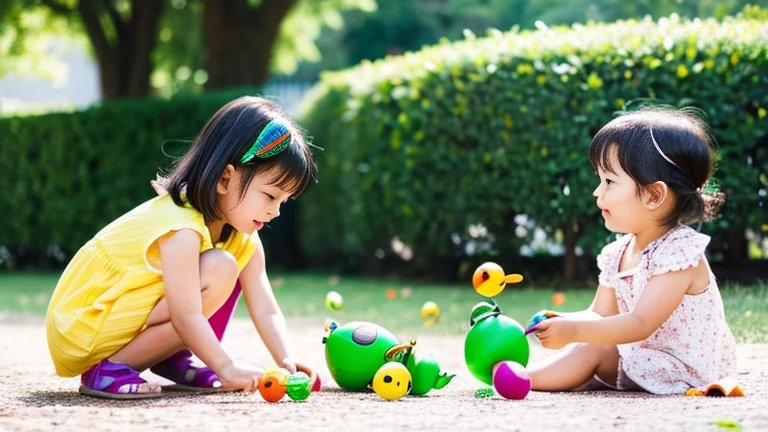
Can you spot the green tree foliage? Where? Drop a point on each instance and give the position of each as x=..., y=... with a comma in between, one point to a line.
x=29, y=38
x=170, y=45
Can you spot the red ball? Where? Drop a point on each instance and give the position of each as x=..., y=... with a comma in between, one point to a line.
x=511, y=380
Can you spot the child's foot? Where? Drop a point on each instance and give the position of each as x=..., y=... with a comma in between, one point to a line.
x=188, y=377
x=116, y=381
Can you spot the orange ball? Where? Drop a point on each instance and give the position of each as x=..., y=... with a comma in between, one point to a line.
x=391, y=293
x=272, y=386
x=558, y=298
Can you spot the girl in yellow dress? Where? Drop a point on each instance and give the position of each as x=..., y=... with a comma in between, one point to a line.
x=141, y=292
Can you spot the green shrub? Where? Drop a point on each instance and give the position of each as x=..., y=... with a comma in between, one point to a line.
x=445, y=148
x=66, y=175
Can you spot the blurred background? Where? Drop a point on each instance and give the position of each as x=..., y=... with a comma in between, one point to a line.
x=454, y=132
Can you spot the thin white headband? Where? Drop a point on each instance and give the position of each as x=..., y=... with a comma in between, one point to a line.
x=658, y=149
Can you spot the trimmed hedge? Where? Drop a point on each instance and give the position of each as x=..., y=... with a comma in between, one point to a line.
x=66, y=175
x=442, y=150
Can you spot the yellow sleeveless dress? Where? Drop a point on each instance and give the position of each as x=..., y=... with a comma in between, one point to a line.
x=107, y=291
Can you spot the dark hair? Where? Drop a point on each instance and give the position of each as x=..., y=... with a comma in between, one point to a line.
x=683, y=137
x=225, y=138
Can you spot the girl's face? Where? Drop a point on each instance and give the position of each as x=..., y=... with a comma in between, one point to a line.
x=617, y=197
x=259, y=205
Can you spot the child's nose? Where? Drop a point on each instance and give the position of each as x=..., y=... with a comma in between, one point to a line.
x=597, y=192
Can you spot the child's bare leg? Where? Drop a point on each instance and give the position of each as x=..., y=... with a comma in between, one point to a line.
x=218, y=274
x=570, y=368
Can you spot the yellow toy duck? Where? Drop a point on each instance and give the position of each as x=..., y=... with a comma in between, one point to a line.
x=489, y=279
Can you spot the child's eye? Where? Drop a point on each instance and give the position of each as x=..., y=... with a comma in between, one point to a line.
x=609, y=181
x=271, y=198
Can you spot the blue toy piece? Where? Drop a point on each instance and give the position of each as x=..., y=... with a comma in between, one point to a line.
x=537, y=318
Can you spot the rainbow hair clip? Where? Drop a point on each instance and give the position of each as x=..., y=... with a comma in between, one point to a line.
x=272, y=140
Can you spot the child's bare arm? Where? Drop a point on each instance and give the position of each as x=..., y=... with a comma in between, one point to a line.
x=661, y=296
x=263, y=308
x=603, y=305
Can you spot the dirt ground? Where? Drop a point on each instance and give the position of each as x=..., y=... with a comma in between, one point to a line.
x=33, y=398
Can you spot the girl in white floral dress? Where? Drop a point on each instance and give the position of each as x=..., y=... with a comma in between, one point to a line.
x=657, y=322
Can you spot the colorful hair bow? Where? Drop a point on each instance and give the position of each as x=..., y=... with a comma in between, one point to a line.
x=272, y=140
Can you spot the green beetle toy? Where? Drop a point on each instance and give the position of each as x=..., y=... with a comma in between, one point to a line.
x=355, y=352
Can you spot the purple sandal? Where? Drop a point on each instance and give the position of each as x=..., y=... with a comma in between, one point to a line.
x=116, y=381
x=188, y=377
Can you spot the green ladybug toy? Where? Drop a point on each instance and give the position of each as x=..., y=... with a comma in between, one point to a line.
x=356, y=350
x=493, y=337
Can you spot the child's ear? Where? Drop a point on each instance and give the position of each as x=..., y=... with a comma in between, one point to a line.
x=656, y=194
x=225, y=179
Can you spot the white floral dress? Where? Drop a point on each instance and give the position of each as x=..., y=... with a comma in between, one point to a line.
x=694, y=347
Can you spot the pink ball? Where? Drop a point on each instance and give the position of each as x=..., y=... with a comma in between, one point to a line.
x=511, y=380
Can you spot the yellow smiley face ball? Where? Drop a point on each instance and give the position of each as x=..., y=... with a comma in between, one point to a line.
x=392, y=381
x=334, y=301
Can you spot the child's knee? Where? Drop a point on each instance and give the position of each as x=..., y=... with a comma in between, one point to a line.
x=598, y=352
x=218, y=268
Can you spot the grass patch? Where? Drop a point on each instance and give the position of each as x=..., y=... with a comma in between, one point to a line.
x=303, y=296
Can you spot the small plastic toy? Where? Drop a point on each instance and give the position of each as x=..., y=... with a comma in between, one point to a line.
x=511, y=380
x=430, y=310
x=485, y=392
x=489, y=279
x=558, y=299
x=492, y=338
x=724, y=387
x=537, y=318
x=334, y=301
x=425, y=371
x=317, y=384
x=392, y=381
x=272, y=385
x=298, y=386
x=357, y=350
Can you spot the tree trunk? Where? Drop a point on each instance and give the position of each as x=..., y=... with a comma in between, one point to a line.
x=124, y=59
x=239, y=39
x=570, y=235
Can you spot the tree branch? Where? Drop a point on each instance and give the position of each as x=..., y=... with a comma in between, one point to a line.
x=114, y=15
x=95, y=32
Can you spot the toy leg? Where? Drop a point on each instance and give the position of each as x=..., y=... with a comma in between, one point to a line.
x=221, y=318
x=569, y=368
x=218, y=274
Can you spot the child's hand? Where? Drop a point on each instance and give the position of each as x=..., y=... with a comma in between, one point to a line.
x=293, y=365
x=157, y=185
x=555, y=332
x=537, y=318
x=235, y=378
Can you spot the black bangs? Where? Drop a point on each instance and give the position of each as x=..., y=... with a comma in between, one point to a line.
x=600, y=153
x=631, y=142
